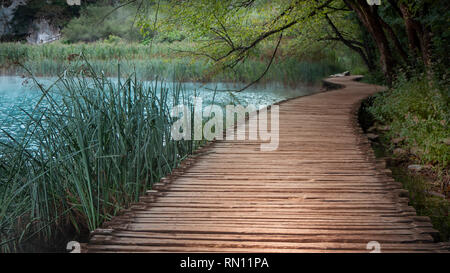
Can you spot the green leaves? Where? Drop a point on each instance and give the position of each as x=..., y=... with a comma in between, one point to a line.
x=228, y=32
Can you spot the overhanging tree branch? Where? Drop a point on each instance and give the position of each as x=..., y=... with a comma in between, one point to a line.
x=265, y=71
x=242, y=50
x=354, y=45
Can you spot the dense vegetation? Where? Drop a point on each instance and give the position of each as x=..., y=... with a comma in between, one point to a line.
x=418, y=115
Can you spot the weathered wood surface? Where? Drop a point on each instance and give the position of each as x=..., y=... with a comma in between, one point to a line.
x=321, y=191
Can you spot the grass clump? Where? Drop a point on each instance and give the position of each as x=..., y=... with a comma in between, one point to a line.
x=90, y=147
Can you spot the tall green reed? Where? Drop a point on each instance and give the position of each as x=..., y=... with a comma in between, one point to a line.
x=91, y=146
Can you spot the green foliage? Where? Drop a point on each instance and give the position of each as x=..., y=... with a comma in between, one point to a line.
x=98, y=145
x=417, y=110
x=375, y=77
x=119, y=23
x=171, y=36
x=225, y=30
x=113, y=39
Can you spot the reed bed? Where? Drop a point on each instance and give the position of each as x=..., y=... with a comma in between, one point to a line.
x=162, y=59
x=90, y=147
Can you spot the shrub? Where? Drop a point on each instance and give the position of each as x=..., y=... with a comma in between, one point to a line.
x=113, y=39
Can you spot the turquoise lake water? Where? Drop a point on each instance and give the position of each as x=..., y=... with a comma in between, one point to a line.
x=19, y=96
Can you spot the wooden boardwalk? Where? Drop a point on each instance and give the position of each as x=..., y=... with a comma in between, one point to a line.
x=322, y=190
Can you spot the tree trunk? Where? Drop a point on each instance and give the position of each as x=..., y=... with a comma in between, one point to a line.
x=368, y=45
x=370, y=19
x=395, y=41
x=419, y=38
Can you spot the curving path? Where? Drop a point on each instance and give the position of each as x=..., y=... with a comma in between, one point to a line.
x=321, y=191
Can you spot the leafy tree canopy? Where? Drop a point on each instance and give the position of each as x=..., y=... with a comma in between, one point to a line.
x=402, y=33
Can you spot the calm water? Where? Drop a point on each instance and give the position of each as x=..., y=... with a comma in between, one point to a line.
x=19, y=96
